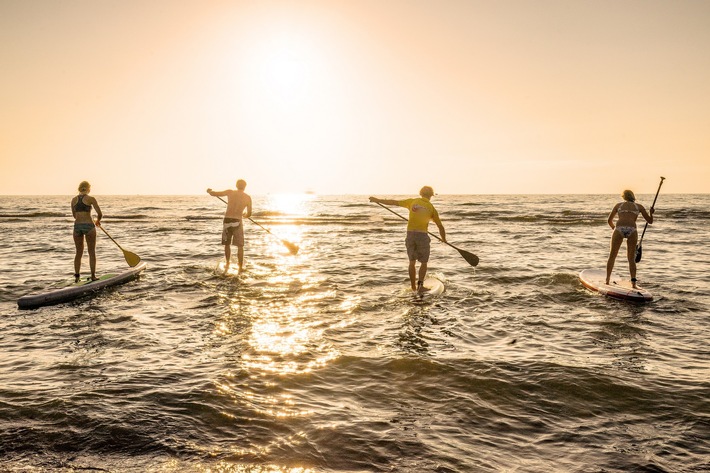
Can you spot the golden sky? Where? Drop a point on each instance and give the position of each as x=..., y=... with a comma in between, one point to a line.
x=354, y=97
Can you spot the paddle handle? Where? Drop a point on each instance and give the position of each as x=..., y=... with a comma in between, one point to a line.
x=657, y=191
x=652, y=206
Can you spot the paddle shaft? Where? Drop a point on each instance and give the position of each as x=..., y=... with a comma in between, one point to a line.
x=131, y=258
x=291, y=246
x=468, y=256
x=102, y=229
x=252, y=221
x=652, y=206
x=405, y=219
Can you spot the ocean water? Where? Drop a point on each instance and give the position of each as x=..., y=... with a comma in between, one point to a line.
x=322, y=361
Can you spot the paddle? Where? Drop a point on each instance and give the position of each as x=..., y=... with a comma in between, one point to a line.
x=131, y=258
x=291, y=247
x=469, y=257
x=639, y=250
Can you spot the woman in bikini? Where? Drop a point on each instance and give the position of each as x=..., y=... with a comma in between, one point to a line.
x=85, y=228
x=625, y=228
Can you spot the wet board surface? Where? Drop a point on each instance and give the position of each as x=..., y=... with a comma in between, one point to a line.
x=618, y=288
x=70, y=291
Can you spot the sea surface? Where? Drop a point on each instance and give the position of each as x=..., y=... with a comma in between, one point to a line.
x=323, y=361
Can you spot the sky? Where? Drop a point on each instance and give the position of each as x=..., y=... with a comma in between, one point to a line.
x=374, y=97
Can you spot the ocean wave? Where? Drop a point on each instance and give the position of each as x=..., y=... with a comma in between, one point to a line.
x=683, y=214
x=203, y=217
x=35, y=215
x=127, y=217
x=270, y=213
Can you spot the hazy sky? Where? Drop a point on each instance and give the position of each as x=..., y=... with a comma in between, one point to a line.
x=354, y=97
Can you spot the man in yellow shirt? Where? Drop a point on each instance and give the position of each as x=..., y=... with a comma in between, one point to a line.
x=418, y=242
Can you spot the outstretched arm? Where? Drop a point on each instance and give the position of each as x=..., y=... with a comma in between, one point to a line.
x=99, y=214
x=384, y=201
x=216, y=193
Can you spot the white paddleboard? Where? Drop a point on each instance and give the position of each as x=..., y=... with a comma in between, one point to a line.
x=595, y=279
x=74, y=290
x=434, y=287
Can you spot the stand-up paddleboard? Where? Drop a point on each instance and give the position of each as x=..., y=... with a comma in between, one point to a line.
x=75, y=290
x=595, y=279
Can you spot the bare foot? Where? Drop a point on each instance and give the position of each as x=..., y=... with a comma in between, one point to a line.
x=421, y=288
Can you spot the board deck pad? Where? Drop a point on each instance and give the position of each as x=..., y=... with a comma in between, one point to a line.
x=618, y=288
x=84, y=281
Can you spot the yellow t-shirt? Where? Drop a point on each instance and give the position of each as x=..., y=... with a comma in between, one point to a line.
x=420, y=213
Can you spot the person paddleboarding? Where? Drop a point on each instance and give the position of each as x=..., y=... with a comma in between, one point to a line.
x=238, y=208
x=85, y=228
x=625, y=228
x=418, y=242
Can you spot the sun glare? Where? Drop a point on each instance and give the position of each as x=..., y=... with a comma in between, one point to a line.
x=290, y=204
x=291, y=97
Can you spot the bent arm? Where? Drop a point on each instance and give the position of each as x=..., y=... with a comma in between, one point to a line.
x=440, y=226
x=248, y=209
x=648, y=217
x=610, y=220
x=99, y=214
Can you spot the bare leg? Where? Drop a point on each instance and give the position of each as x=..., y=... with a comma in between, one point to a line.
x=631, y=255
x=422, y=274
x=240, y=257
x=413, y=274
x=616, y=239
x=91, y=246
x=79, y=244
x=227, y=256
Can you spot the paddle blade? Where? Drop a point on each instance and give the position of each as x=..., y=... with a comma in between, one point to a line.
x=131, y=258
x=291, y=247
x=469, y=257
x=639, y=252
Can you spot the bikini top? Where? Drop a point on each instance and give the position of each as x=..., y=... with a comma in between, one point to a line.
x=80, y=206
x=635, y=211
